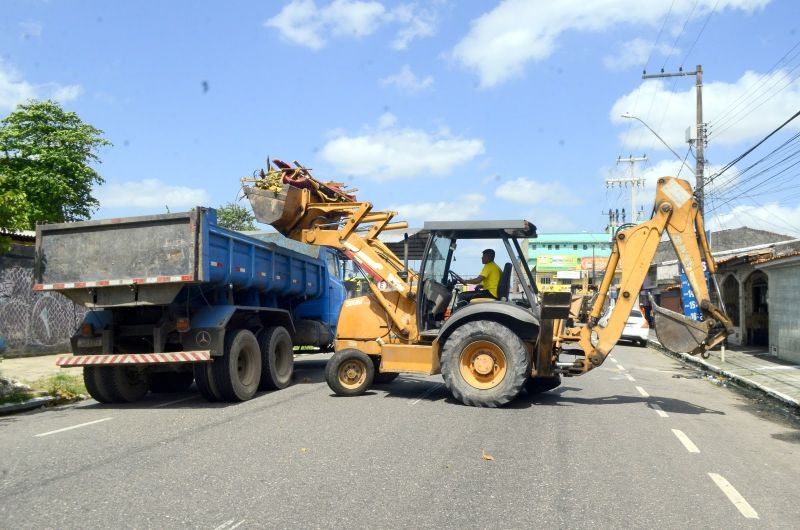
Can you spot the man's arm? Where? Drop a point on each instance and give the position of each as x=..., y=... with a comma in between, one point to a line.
x=474, y=281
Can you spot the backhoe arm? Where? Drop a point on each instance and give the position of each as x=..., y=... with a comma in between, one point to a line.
x=676, y=212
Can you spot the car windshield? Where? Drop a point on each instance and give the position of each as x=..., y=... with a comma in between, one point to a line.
x=636, y=313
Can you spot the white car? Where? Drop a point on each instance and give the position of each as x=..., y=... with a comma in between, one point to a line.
x=636, y=328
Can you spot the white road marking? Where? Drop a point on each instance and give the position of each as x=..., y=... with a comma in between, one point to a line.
x=427, y=392
x=734, y=496
x=173, y=402
x=630, y=377
x=687, y=443
x=659, y=410
x=224, y=525
x=237, y=524
x=642, y=391
x=73, y=427
x=620, y=366
x=614, y=361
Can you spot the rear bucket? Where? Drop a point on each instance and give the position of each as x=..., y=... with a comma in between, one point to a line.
x=678, y=333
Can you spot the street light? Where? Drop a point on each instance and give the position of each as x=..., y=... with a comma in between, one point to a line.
x=632, y=117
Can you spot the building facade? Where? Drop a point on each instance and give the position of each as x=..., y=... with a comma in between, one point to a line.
x=569, y=262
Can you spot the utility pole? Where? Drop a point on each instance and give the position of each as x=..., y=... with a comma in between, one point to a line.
x=633, y=180
x=701, y=127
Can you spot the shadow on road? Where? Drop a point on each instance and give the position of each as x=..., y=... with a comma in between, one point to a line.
x=668, y=405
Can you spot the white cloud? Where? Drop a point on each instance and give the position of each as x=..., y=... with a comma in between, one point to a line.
x=390, y=152
x=549, y=222
x=635, y=53
x=464, y=207
x=502, y=41
x=304, y=23
x=407, y=80
x=526, y=191
x=676, y=110
x=15, y=90
x=149, y=193
x=771, y=217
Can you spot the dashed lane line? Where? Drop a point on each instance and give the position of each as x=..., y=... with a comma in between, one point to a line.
x=630, y=377
x=642, y=391
x=620, y=367
x=687, y=443
x=659, y=410
x=734, y=496
x=613, y=360
x=73, y=427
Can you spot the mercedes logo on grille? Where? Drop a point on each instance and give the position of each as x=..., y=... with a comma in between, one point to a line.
x=203, y=338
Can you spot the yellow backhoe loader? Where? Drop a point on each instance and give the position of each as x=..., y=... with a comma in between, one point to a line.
x=487, y=350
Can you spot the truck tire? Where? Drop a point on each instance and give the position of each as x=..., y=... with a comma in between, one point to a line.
x=204, y=380
x=349, y=372
x=485, y=364
x=168, y=382
x=382, y=378
x=94, y=385
x=125, y=384
x=238, y=372
x=538, y=385
x=277, y=358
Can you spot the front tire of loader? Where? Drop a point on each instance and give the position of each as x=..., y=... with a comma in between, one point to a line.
x=349, y=372
x=277, y=359
x=93, y=382
x=238, y=372
x=538, y=385
x=485, y=364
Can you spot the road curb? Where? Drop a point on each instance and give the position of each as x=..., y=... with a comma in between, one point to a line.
x=700, y=362
x=10, y=408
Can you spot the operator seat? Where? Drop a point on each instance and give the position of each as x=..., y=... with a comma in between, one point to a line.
x=504, y=285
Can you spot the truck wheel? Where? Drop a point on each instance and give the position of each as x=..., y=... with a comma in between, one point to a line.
x=485, y=364
x=204, y=380
x=537, y=385
x=238, y=372
x=167, y=382
x=349, y=372
x=94, y=384
x=277, y=359
x=125, y=384
x=382, y=378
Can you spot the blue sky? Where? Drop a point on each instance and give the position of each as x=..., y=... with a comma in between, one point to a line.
x=440, y=109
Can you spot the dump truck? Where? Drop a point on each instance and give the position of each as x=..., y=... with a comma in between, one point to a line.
x=176, y=298
x=490, y=349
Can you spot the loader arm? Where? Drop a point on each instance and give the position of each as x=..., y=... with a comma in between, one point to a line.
x=305, y=209
x=676, y=212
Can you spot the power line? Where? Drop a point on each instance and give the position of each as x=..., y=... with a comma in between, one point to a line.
x=700, y=33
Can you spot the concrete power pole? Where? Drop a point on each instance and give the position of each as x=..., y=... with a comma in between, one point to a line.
x=632, y=179
x=701, y=128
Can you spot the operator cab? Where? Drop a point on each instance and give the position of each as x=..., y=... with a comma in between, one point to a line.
x=440, y=284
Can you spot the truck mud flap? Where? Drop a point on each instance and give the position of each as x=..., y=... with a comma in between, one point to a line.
x=134, y=358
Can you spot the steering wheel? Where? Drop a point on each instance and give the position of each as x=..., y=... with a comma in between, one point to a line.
x=456, y=277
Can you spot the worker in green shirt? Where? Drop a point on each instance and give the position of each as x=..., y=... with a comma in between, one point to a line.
x=487, y=280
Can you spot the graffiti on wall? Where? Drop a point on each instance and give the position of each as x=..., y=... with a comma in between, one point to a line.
x=35, y=319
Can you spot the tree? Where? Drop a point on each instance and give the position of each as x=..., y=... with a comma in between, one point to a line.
x=235, y=217
x=45, y=160
x=13, y=216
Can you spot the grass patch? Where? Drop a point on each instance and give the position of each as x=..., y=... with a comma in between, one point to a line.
x=16, y=397
x=63, y=387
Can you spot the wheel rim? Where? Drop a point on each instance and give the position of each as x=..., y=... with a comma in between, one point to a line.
x=483, y=364
x=245, y=367
x=352, y=374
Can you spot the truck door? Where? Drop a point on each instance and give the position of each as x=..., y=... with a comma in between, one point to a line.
x=336, y=289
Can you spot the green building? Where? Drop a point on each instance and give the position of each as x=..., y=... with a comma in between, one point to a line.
x=565, y=262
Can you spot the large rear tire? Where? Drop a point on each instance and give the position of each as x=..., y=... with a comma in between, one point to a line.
x=238, y=372
x=93, y=382
x=169, y=382
x=485, y=364
x=277, y=359
x=125, y=384
x=349, y=372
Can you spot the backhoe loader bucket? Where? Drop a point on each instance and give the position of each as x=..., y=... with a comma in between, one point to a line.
x=678, y=333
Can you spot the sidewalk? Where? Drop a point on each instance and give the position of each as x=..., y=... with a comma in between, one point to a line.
x=751, y=367
x=30, y=369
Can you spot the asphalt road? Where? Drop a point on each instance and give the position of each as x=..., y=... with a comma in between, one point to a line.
x=640, y=442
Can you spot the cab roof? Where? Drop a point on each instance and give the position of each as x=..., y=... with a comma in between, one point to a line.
x=518, y=228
